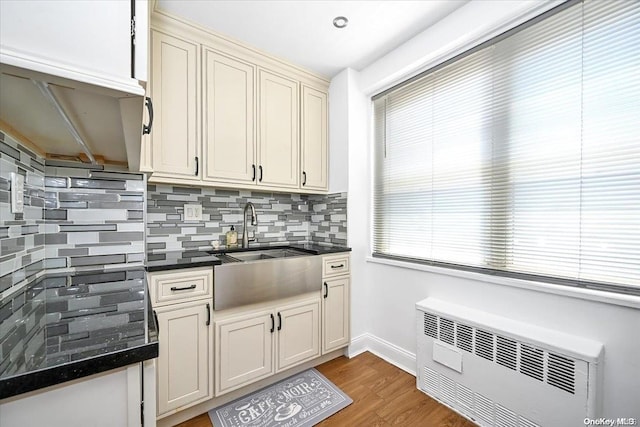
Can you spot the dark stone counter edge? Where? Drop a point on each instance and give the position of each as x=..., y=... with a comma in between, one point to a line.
x=46, y=377
x=315, y=250
x=174, y=266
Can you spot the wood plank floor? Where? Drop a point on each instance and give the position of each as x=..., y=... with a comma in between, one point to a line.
x=383, y=395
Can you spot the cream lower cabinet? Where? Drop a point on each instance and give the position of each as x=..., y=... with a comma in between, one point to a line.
x=335, y=302
x=184, y=361
x=298, y=334
x=182, y=302
x=244, y=347
x=335, y=314
x=256, y=345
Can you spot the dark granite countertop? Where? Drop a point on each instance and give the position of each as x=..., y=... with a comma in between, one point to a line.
x=318, y=249
x=64, y=326
x=204, y=258
x=180, y=259
x=312, y=248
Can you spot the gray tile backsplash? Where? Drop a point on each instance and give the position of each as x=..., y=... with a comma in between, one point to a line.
x=281, y=217
x=328, y=218
x=94, y=218
x=22, y=238
x=86, y=218
x=74, y=217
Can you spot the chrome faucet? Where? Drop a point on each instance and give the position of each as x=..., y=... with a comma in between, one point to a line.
x=254, y=221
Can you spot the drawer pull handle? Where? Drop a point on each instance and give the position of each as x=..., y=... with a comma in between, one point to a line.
x=326, y=290
x=186, y=288
x=208, y=314
x=273, y=323
x=279, y=322
x=337, y=266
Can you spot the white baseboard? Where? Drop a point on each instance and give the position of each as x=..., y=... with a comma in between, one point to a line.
x=393, y=354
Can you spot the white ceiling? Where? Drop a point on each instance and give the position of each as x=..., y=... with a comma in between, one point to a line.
x=302, y=32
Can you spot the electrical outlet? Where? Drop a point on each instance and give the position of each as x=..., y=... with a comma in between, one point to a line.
x=193, y=212
x=17, y=193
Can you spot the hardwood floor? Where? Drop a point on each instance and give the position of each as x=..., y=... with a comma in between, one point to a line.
x=383, y=395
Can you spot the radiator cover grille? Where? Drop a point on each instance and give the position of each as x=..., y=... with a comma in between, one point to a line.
x=554, y=369
x=498, y=371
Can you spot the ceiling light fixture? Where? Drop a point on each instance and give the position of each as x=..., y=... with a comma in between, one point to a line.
x=340, y=22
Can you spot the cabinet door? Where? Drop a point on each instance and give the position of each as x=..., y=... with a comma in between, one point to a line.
x=335, y=314
x=278, y=143
x=228, y=114
x=314, y=140
x=175, y=91
x=244, y=350
x=86, y=41
x=298, y=334
x=184, y=360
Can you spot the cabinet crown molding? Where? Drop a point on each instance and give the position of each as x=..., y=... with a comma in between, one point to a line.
x=165, y=21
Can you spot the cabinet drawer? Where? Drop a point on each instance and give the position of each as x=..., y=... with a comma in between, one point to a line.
x=180, y=285
x=335, y=265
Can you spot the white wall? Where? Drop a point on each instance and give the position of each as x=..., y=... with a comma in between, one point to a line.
x=338, y=133
x=384, y=296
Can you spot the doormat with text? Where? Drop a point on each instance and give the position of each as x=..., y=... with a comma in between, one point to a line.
x=304, y=399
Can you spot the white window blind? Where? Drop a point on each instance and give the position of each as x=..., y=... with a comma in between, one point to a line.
x=522, y=157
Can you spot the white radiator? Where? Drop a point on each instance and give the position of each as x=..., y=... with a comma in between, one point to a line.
x=504, y=373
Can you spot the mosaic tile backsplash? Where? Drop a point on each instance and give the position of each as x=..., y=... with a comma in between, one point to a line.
x=85, y=218
x=93, y=218
x=22, y=238
x=281, y=217
x=61, y=318
x=74, y=217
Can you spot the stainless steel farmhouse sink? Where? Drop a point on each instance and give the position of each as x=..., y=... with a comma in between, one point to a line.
x=254, y=255
x=248, y=277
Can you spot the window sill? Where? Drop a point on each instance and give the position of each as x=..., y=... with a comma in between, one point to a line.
x=568, y=291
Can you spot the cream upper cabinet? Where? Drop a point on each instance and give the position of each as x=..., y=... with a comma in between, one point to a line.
x=278, y=136
x=184, y=365
x=89, y=42
x=244, y=347
x=229, y=116
x=314, y=130
x=175, y=90
x=298, y=334
x=229, y=141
